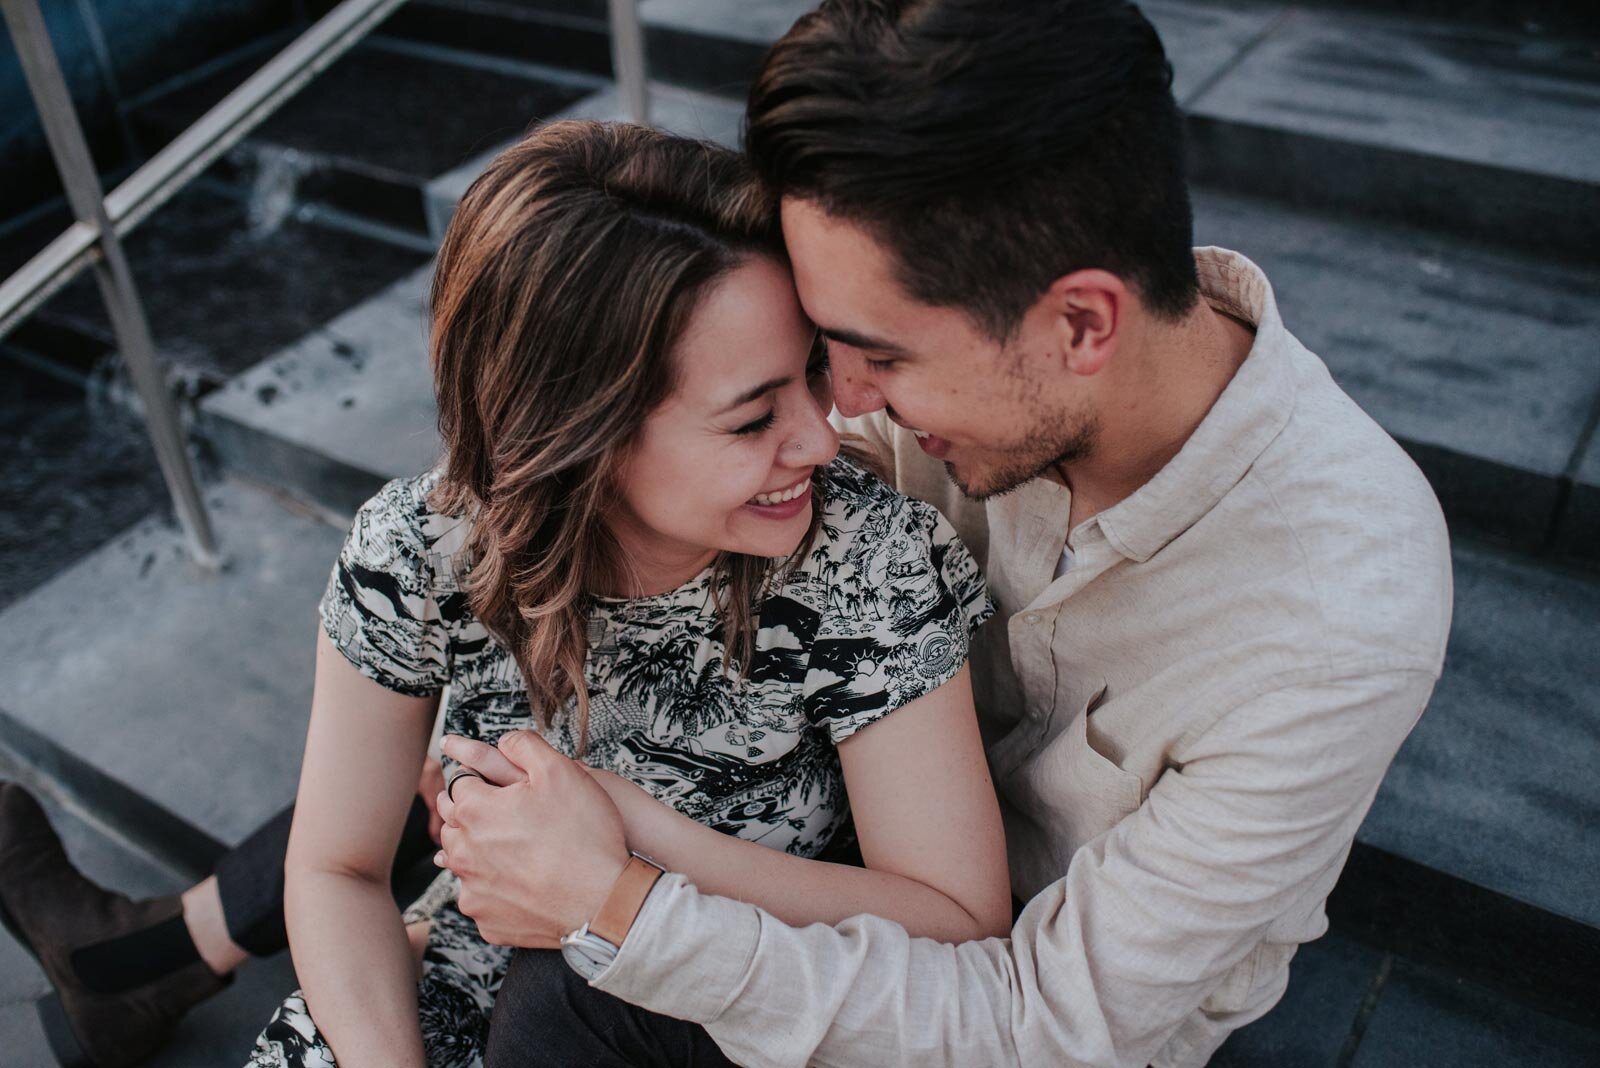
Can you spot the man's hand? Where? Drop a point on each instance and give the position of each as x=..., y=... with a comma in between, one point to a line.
x=536, y=857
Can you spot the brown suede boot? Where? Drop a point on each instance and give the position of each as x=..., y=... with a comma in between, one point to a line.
x=53, y=910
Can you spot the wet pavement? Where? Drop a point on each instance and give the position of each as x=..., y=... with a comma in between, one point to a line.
x=227, y=281
x=74, y=476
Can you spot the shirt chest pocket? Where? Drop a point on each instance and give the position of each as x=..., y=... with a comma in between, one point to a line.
x=1071, y=789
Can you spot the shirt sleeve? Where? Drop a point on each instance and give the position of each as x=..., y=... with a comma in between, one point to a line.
x=379, y=608
x=1104, y=966
x=898, y=621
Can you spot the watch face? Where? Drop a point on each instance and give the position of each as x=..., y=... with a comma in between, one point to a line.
x=587, y=954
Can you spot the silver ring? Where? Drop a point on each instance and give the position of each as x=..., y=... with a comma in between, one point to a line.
x=463, y=773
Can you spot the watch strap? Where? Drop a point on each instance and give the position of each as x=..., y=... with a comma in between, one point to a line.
x=627, y=897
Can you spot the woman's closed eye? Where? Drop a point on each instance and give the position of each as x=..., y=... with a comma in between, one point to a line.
x=756, y=426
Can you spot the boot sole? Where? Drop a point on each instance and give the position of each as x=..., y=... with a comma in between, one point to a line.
x=52, y=1014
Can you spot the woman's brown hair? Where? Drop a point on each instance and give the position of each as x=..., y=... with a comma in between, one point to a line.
x=568, y=273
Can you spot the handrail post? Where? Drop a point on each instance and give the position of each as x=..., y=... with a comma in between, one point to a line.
x=117, y=289
x=627, y=60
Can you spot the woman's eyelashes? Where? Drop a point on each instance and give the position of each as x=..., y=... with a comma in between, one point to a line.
x=815, y=369
x=756, y=426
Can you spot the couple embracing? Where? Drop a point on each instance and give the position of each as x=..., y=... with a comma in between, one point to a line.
x=895, y=601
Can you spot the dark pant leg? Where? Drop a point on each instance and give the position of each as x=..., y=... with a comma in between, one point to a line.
x=250, y=878
x=546, y=1015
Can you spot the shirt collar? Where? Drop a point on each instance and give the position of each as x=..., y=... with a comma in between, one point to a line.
x=1249, y=414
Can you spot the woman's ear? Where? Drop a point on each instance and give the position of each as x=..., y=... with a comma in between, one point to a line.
x=1086, y=311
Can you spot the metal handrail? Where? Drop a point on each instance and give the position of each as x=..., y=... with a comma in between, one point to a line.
x=191, y=152
x=94, y=240
x=627, y=59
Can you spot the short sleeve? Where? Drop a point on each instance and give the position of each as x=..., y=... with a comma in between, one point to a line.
x=899, y=620
x=379, y=609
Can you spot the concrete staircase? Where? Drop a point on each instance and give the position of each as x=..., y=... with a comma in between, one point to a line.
x=1423, y=190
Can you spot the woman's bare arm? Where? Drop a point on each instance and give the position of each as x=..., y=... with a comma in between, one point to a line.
x=349, y=946
x=925, y=813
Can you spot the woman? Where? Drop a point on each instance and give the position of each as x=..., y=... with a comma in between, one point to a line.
x=641, y=543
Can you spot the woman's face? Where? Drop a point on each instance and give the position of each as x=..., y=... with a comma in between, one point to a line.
x=725, y=463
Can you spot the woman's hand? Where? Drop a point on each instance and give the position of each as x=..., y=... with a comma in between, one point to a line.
x=482, y=758
x=428, y=787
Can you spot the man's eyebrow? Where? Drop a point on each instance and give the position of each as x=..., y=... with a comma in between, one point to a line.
x=756, y=391
x=862, y=341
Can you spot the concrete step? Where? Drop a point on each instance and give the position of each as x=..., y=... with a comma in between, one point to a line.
x=341, y=411
x=1480, y=361
x=1422, y=1016
x=1387, y=116
x=173, y=702
x=75, y=474
x=372, y=130
x=686, y=112
x=571, y=34
x=1534, y=17
x=225, y=281
x=1496, y=785
x=1351, y=1004
x=1343, y=110
x=1578, y=529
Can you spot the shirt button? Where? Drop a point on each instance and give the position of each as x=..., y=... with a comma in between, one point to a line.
x=1031, y=617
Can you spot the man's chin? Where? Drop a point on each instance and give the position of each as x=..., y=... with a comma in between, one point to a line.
x=983, y=485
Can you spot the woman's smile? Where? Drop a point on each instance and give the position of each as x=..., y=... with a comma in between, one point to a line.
x=784, y=503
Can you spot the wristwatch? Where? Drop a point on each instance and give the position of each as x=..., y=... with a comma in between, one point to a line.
x=591, y=948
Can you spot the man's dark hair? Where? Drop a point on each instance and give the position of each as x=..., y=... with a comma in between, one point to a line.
x=991, y=145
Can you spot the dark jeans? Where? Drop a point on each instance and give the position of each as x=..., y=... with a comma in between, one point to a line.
x=546, y=1015
x=250, y=878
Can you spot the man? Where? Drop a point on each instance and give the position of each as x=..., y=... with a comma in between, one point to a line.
x=1224, y=591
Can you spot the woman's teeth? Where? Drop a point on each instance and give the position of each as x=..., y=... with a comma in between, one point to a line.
x=782, y=495
x=921, y=434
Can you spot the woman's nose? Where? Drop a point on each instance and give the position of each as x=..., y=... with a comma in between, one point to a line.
x=816, y=442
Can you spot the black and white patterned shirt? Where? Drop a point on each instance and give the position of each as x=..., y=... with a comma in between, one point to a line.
x=878, y=614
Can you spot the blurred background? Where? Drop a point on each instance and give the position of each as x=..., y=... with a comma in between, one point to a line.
x=1420, y=179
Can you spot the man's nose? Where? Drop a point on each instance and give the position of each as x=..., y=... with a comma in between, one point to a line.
x=853, y=391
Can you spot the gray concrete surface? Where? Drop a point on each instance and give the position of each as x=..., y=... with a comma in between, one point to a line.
x=1497, y=783
x=1202, y=40
x=1209, y=35
x=1488, y=357
x=190, y=689
x=1577, y=532
x=1328, y=981
x=681, y=111
x=756, y=21
x=339, y=412
x=1424, y=1018
x=1422, y=87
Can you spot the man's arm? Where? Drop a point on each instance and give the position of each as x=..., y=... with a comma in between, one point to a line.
x=1105, y=964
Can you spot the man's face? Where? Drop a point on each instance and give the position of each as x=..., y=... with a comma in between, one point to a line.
x=997, y=413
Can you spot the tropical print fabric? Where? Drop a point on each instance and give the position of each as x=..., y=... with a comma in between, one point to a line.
x=877, y=614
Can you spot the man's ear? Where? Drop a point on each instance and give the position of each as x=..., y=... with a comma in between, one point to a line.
x=1087, y=309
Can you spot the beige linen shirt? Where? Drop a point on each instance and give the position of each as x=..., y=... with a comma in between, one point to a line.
x=1185, y=729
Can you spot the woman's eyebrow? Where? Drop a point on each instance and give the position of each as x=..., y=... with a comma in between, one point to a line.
x=751, y=394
